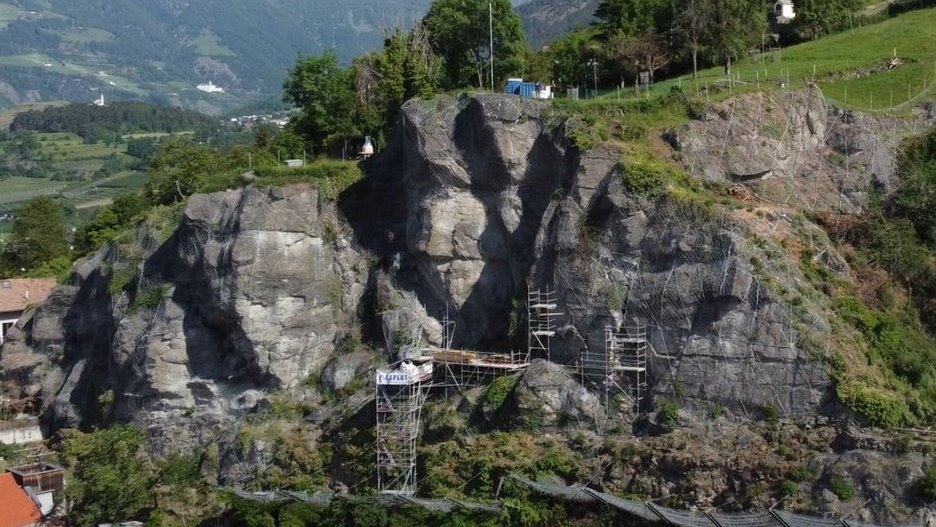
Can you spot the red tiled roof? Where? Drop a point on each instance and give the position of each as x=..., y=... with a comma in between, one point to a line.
x=16, y=509
x=17, y=293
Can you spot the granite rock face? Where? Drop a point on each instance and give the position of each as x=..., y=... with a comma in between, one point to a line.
x=475, y=201
x=790, y=147
x=483, y=199
x=244, y=298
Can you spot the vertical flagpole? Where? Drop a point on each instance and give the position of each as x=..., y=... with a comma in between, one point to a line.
x=491, y=35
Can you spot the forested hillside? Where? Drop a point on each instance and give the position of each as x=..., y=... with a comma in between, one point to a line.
x=158, y=50
x=547, y=20
x=89, y=121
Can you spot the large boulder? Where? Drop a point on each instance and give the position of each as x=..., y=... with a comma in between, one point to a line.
x=548, y=395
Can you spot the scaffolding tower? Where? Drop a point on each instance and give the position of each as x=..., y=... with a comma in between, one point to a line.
x=621, y=367
x=541, y=321
x=400, y=393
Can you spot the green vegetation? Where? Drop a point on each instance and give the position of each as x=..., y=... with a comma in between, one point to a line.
x=594, y=121
x=109, y=222
x=81, y=176
x=355, y=512
x=770, y=413
x=331, y=178
x=834, y=60
x=100, y=123
x=716, y=410
x=498, y=391
x=789, y=488
x=324, y=91
x=645, y=175
x=841, y=488
x=668, y=414
x=37, y=238
x=898, y=324
x=458, y=32
x=112, y=479
x=926, y=485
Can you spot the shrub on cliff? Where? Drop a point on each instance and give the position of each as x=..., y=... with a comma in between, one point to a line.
x=926, y=485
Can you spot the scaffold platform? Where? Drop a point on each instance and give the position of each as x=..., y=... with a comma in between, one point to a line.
x=463, y=369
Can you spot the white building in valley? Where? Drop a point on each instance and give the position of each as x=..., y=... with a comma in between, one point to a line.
x=210, y=88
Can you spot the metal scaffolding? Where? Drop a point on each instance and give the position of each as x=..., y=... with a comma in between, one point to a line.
x=541, y=321
x=621, y=367
x=400, y=393
x=460, y=370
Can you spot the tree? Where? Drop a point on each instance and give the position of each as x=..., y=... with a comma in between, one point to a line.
x=816, y=17
x=569, y=56
x=323, y=92
x=383, y=81
x=106, y=224
x=915, y=198
x=633, y=17
x=646, y=52
x=458, y=31
x=287, y=144
x=177, y=170
x=112, y=479
x=38, y=236
x=733, y=27
x=689, y=29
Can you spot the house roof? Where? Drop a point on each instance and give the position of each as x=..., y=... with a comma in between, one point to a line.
x=16, y=509
x=17, y=293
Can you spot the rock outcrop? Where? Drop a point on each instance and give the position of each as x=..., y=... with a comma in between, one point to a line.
x=476, y=200
x=547, y=395
x=247, y=296
x=489, y=200
x=794, y=150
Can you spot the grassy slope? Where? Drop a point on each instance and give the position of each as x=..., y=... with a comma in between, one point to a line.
x=835, y=58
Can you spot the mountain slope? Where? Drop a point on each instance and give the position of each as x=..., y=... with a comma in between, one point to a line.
x=547, y=20
x=159, y=49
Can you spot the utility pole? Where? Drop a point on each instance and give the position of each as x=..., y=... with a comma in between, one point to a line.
x=594, y=64
x=491, y=35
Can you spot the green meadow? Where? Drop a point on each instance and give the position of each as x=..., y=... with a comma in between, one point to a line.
x=839, y=65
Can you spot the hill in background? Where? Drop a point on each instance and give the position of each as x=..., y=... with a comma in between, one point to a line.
x=159, y=50
x=547, y=20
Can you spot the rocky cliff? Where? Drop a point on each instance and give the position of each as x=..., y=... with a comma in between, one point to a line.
x=247, y=296
x=476, y=200
x=483, y=198
x=260, y=296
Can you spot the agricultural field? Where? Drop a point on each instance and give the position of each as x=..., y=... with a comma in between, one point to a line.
x=85, y=176
x=9, y=13
x=843, y=66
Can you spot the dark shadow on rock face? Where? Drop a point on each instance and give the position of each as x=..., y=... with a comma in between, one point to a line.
x=478, y=150
x=503, y=275
x=382, y=208
x=376, y=208
x=216, y=345
x=89, y=330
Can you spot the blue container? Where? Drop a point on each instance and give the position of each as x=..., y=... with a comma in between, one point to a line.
x=528, y=89
x=513, y=86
